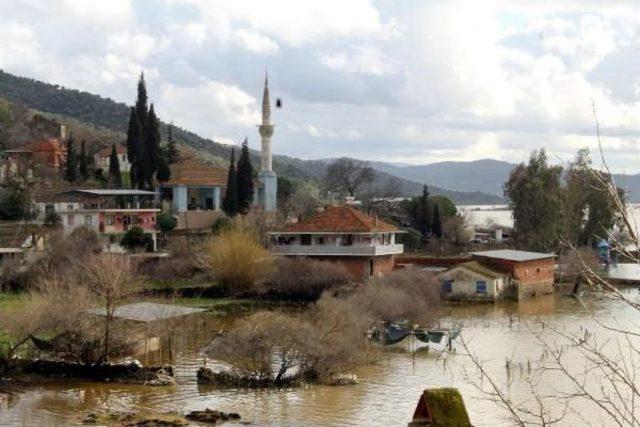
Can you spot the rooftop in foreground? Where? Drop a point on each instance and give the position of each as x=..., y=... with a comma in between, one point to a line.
x=513, y=255
x=148, y=311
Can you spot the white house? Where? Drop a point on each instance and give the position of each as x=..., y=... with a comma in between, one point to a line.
x=472, y=280
x=102, y=159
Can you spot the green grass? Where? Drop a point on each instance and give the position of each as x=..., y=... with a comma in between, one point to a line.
x=10, y=300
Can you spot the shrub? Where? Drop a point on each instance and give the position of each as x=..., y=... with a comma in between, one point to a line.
x=166, y=222
x=136, y=239
x=304, y=279
x=238, y=260
x=221, y=224
x=411, y=239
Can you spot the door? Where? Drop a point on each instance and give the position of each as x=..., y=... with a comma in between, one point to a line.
x=209, y=203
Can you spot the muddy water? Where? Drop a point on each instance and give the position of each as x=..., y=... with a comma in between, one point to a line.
x=386, y=395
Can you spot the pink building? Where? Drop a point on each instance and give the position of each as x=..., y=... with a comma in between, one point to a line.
x=109, y=212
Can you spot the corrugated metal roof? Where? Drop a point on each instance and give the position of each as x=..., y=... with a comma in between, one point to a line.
x=513, y=255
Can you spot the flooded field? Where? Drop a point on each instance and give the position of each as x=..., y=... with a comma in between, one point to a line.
x=387, y=392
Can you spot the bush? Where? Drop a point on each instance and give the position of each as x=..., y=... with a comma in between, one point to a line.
x=166, y=222
x=136, y=239
x=221, y=224
x=238, y=260
x=303, y=279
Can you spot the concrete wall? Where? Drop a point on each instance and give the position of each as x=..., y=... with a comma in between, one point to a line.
x=464, y=285
x=197, y=219
x=358, y=267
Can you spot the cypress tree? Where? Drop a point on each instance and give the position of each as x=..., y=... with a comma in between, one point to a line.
x=71, y=163
x=141, y=101
x=245, y=180
x=83, y=166
x=152, y=146
x=230, y=201
x=164, y=172
x=173, y=155
x=437, y=222
x=133, y=146
x=115, y=179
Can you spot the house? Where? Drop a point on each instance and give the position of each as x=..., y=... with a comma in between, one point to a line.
x=102, y=159
x=365, y=245
x=109, y=212
x=531, y=273
x=474, y=281
x=47, y=152
x=501, y=273
x=194, y=193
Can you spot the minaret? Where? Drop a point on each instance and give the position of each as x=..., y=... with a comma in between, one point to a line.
x=268, y=193
x=266, y=128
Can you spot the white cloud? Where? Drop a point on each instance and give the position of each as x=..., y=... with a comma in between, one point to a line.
x=361, y=60
x=256, y=42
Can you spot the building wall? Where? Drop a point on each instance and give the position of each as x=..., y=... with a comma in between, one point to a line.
x=103, y=162
x=359, y=267
x=530, y=278
x=464, y=285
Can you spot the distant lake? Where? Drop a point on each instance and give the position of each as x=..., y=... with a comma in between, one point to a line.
x=482, y=215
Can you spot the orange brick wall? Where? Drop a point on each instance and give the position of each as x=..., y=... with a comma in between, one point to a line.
x=358, y=267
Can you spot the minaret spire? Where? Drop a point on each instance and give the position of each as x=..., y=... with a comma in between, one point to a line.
x=266, y=128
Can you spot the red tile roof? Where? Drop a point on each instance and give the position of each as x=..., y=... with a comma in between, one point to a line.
x=106, y=152
x=194, y=172
x=341, y=219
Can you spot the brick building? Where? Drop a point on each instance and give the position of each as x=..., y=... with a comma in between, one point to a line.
x=365, y=245
x=531, y=273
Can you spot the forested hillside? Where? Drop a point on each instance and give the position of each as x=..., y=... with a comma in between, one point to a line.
x=105, y=115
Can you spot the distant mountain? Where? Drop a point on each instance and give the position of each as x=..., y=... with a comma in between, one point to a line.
x=486, y=175
x=105, y=113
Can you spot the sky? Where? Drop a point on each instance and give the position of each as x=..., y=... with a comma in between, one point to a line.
x=405, y=81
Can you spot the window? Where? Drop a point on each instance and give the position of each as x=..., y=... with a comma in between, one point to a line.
x=481, y=287
x=447, y=286
x=87, y=220
x=69, y=207
x=320, y=240
x=347, y=240
x=111, y=220
x=305, y=239
x=71, y=219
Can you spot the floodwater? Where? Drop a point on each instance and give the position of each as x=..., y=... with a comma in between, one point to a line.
x=386, y=395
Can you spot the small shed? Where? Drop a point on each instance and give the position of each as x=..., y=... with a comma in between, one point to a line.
x=474, y=281
x=440, y=407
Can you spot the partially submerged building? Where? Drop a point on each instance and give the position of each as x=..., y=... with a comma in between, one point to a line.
x=109, y=212
x=365, y=245
x=500, y=273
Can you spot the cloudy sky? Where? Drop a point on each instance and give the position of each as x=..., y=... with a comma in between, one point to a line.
x=408, y=81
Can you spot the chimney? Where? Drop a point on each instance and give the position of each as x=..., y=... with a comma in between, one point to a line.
x=62, y=132
x=375, y=220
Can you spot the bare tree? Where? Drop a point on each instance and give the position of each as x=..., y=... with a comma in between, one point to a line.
x=112, y=279
x=348, y=175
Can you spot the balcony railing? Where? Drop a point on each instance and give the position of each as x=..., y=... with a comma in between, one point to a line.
x=331, y=250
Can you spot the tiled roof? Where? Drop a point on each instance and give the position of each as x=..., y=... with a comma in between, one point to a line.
x=341, y=219
x=194, y=172
x=106, y=152
x=512, y=255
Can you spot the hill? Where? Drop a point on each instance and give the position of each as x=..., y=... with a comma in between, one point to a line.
x=486, y=175
x=108, y=115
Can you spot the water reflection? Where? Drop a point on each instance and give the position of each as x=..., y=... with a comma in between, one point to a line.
x=386, y=394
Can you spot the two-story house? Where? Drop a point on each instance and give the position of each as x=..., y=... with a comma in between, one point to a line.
x=109, y=212
x=364, y=244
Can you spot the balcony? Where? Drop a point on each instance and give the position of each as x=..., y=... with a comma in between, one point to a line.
x=331, y=250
